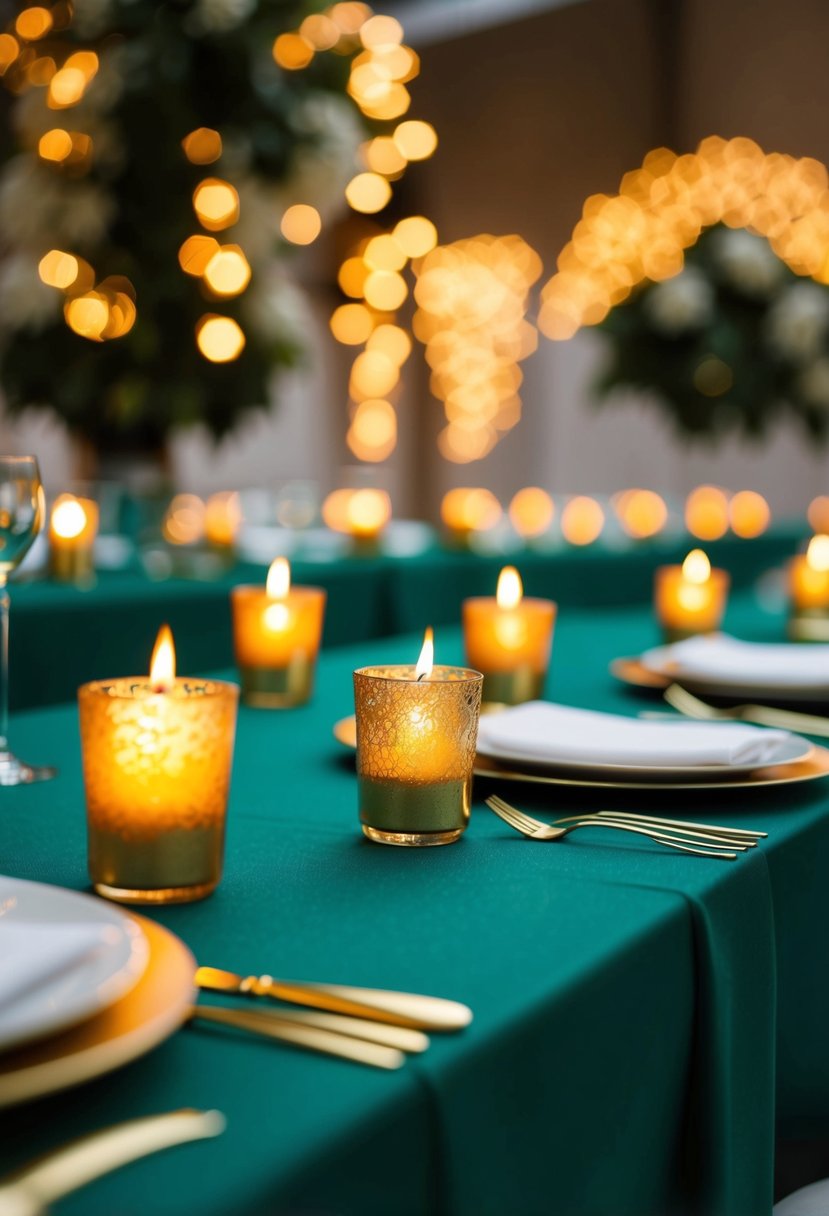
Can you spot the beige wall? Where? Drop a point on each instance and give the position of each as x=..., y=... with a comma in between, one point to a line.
x=533, y=117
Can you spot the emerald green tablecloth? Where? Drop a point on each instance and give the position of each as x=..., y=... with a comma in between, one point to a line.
x=622, y=1055
x=62, y=636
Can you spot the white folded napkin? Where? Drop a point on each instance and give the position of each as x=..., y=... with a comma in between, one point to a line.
x=544, y=733
x=766, y=665
x=33, y=953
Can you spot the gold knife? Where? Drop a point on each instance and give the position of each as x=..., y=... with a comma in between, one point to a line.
x=374, y=1004
x=31, y=1190
x=312, y=1038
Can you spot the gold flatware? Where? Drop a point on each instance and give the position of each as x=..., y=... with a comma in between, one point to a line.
x=741, y=835
x=374, y=1004
x=413, y=1042
x=311, y=1038
x=31, y=1190
x=536, y=829
x=763, y=715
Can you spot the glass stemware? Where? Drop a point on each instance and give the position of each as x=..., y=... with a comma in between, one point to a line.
x=22, y=512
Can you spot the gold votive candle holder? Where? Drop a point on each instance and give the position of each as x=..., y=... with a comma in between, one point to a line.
x=73, y=526
x=691, y=598
x=415, y=752
x=156, y=768
x=509, y=638
x=276, y=643
x=809, y=591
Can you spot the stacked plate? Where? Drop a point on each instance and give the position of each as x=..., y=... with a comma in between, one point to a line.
x=86, y=987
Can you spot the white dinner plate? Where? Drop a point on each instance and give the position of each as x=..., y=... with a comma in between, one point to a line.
x=106, y=975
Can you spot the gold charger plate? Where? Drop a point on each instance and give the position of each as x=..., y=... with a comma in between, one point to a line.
x=631, y=670
x=132, y=1026
x=815, y=765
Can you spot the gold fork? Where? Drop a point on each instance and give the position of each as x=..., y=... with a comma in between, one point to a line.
x=763, y=715
x=535, y=829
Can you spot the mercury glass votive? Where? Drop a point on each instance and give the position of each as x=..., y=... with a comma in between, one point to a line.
x=415, y=752
x=276, y=637
x=509, y=638
x=156, y=766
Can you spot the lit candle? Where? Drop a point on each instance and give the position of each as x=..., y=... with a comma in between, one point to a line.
x=417, y=727
x=509, y=639
x=222, y=519
x=809, y=584
x=690, y=598
x=361, y=514
x=157, y=754
x=73, y=526
x=468, y=510
x=276, y=636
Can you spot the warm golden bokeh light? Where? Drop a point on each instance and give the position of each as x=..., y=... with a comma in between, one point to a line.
x=9, y=51
x=360, y=513
x=749, y=514
x=706, y=512
x=293, y=51
x=58, y=269
x=582, y=520
x=372, y=435
x=202, y=146
x=531, y=511
x=470, y=509
x=220, y=339
x=385, y=290
x=301, y=224
x=228, y=271
x=368, y=193
x=373, y=374
x=392, y=341
x=352, y=324
x=384, y=253
x=216, y=204
x=818, y=513
x=55, y=145
x=510, y=591
x=379, y=31
x=349, y=16
x=222, y=518
x=817, y=553
x=87, y=315
x=660, y=211
x=68, y=518
x=382, y=155
x=352, y=277
x=696, y=568
x=320, y=31
x=642, y=513
x=416, y=236
x=184, y=520
x=196, y=252
x=416, y=140
x=33, y=23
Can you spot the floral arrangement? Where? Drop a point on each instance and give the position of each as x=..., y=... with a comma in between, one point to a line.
x=151, y=157
x=730, y=344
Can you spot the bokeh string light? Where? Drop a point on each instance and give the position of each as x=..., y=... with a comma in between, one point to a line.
x=660, y=211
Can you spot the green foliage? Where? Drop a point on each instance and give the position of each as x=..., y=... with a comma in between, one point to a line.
x=733, y=344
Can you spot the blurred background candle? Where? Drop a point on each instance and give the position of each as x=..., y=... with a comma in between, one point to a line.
x=466, y=511
x=157, y=755
x=222, y=520
x=73, y=526
x=809, y=586
x=509, y=639
x=417, y=727
x=276, y=636
x=361, y=514
x=690, y=598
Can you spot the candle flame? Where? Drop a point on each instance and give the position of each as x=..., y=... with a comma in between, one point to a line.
x=163, y=662
x=509, y=590
x=426, y=661
x=696, y=568
x=279, y=579
x=817, y=555
x=68, y=517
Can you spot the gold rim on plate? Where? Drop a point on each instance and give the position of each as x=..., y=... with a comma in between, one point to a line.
x=632, y=671
x=813, y=766
x=142, y=1019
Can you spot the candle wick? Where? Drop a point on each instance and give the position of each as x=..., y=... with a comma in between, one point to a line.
x=420, y=677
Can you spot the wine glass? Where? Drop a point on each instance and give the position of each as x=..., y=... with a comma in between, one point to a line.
x=22, y=511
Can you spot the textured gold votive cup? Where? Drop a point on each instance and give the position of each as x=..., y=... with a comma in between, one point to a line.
x=685, y=609
x=415, y=752
x=279, y=687
x=513, y=687
x=156, y=769
x=512, y=647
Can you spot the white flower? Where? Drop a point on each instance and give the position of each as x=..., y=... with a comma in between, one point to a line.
x=216, y=16
x=39, y=211
x=276, y=308
x=25, y=301
x=321, y=170
x=798, y=322
x=680, y=304
x=814, y=383
x=748, y=262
